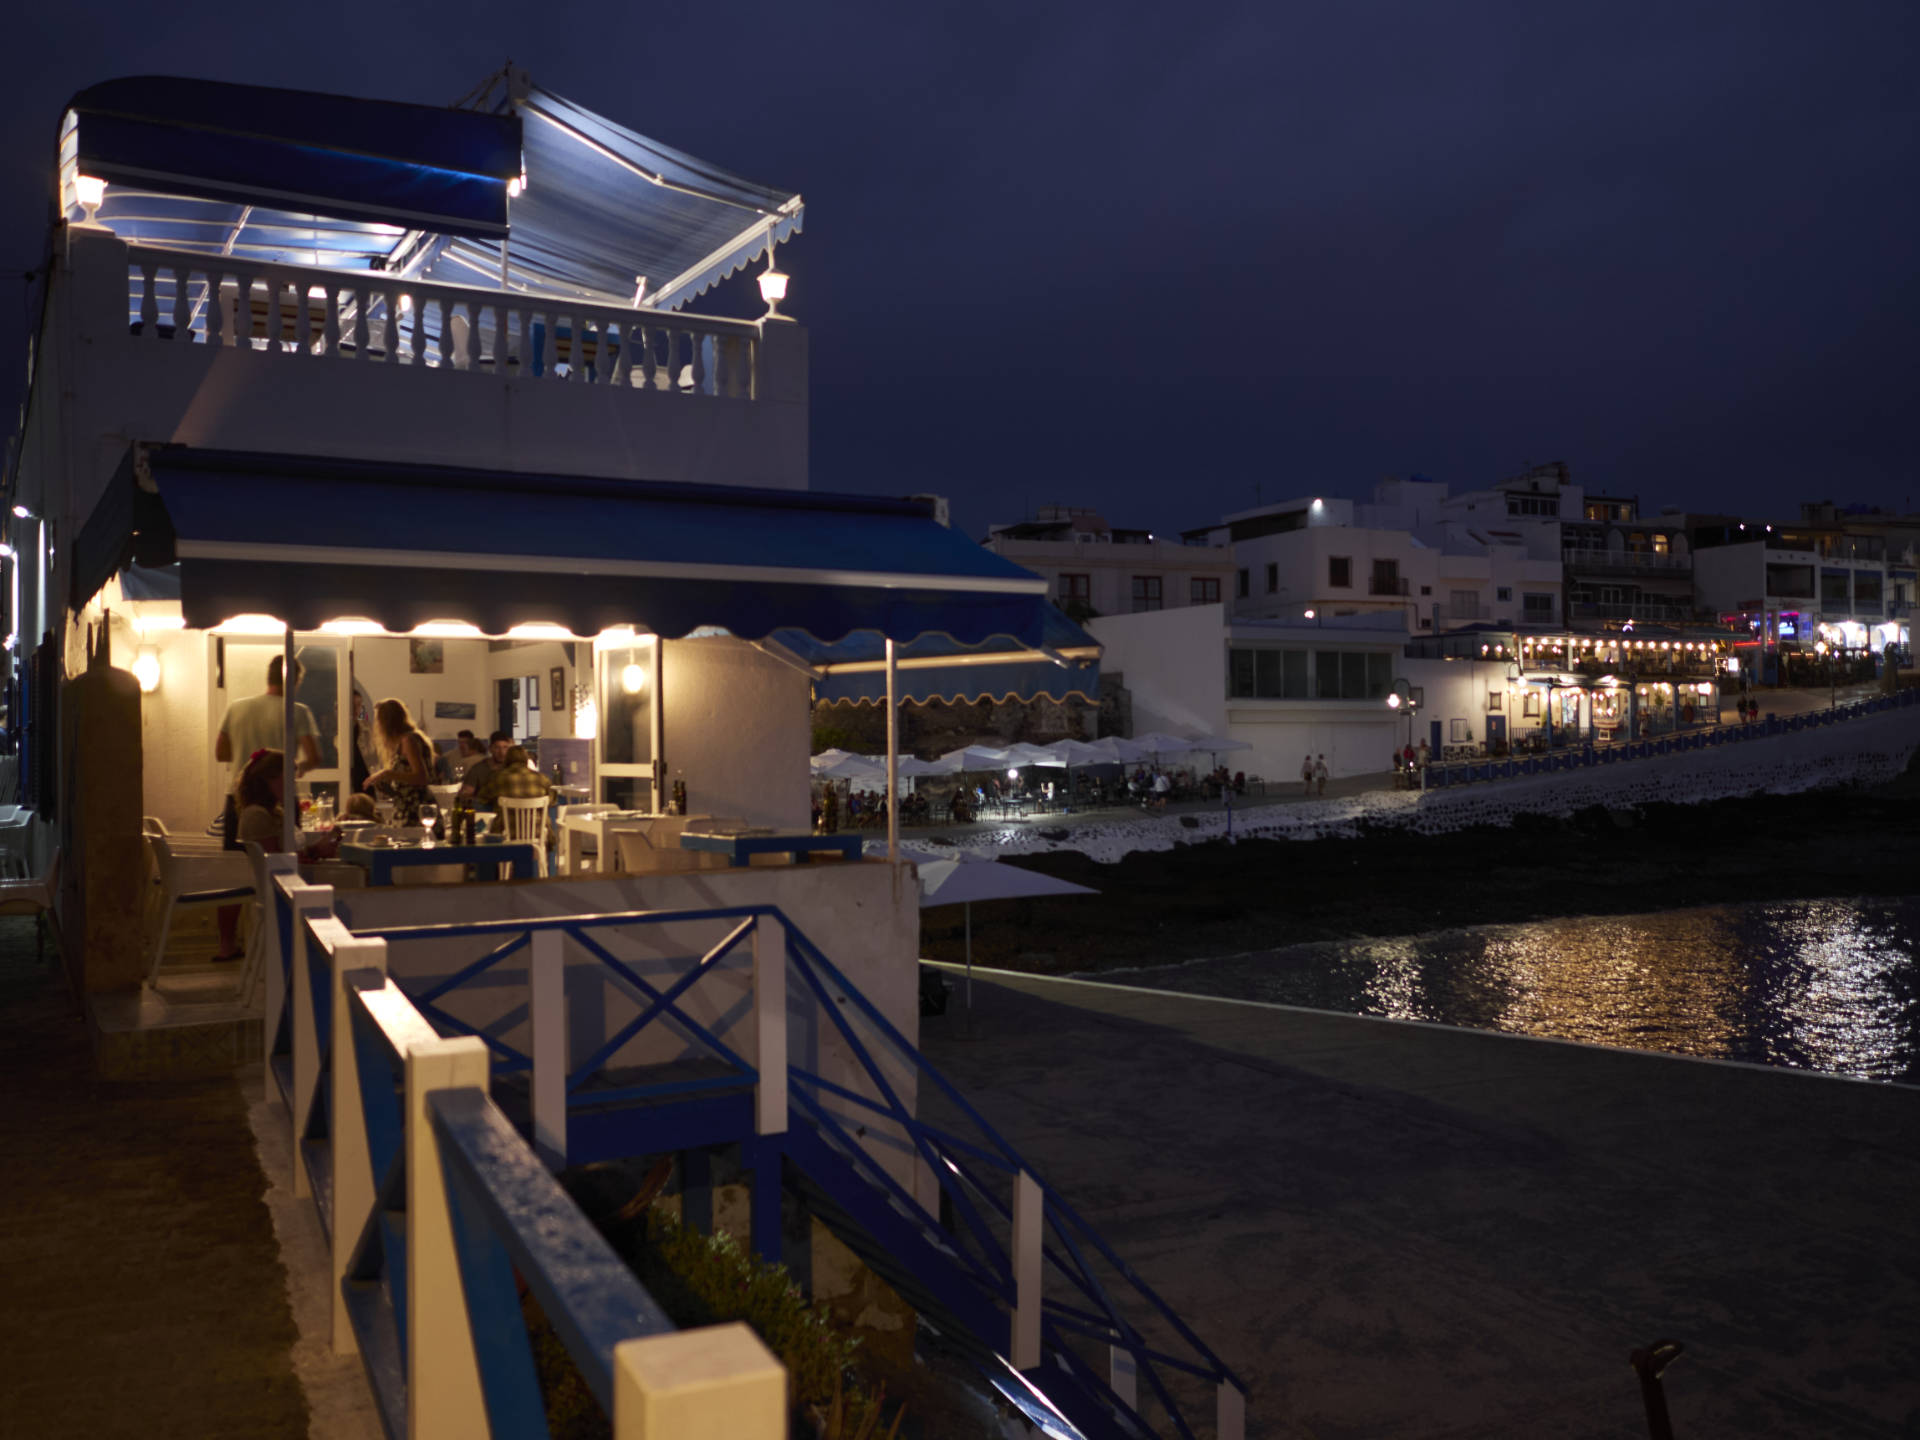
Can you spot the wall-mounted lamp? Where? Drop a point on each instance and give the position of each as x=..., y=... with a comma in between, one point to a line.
x=90, y=190
x=146, y=669
x=7, y=552
x=773, y=288
x=633, y=679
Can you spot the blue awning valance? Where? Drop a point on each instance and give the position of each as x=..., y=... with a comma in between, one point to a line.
x=308, y=540
x=1064, y=665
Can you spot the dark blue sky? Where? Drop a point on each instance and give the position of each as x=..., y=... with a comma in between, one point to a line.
x=1153, y=257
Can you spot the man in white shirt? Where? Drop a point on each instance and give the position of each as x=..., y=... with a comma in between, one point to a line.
x=257, y=723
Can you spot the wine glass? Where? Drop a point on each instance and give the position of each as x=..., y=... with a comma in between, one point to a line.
x=429, y=817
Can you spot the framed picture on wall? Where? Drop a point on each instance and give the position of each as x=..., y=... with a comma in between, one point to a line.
x=455, y=710
x=426, y=657
x=557, y=688
x=1494, y=699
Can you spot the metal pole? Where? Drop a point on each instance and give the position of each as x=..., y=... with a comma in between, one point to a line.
x=289, y=753
x=967, y=910
x=893, y=756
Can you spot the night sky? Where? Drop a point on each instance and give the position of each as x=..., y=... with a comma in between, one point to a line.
x=1165, y=259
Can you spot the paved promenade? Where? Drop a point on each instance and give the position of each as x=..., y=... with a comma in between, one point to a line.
x=142, y=1285
x=1399, y=1230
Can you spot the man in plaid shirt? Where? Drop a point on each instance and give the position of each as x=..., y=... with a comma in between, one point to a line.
x=515, y=779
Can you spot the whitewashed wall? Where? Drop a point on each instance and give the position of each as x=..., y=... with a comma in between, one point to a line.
x=1173, y=664
x=738, y=732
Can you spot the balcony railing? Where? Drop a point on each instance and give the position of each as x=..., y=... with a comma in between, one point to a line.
x=1637, y=610
x=1386, y=585
x=1595, y=562
x=371, y=318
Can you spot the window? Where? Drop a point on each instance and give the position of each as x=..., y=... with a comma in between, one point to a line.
x=1426, y=589
x=1463, y=604
x=1273, y=579
x=1536, y=606
x=1203, y=590
x=1340, y=571
x=1266, y=674
x=1351, y=674
x=1146, y=593
x=1076, y=587
x=1243, y=585
x=1833, y=589
x=1533, y=505
x=1661, y=544
x=1504, y=592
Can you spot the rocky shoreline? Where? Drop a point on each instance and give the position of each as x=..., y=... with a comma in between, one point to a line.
x=1211, y=899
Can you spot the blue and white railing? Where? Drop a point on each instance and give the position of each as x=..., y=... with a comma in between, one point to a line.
x=436, y=1211
x=788, y=1031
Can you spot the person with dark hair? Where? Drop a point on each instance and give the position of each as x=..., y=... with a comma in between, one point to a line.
x=409, y=761
x=483, y=769
x=254, y=803
x=258, y=723
x=467, y=753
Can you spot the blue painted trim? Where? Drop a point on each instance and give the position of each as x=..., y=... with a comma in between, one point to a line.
x=587, y=1291
x=485, y=962
x=662, y=1002
x=662, y=1090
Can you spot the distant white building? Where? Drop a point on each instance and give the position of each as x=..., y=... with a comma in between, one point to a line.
x=1292, y=687
x=1400, y=554
x=1092, y=568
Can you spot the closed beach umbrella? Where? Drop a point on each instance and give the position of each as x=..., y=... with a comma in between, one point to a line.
x=975, y=757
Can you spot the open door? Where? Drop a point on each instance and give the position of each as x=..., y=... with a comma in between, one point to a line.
x=239, y=670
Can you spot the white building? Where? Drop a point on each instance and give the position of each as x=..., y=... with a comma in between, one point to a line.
x=1092, y=568
x=1292, y=687
x=1400, y=554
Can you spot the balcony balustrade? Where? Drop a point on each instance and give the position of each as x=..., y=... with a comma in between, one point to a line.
x=1386, y=585
x=1622, y=562
x=1636, y=610
x=372, y=318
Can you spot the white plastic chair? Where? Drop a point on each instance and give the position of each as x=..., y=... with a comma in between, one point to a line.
x=525, y=820
x=223, y=879
x=35, y=897
x=16, y=842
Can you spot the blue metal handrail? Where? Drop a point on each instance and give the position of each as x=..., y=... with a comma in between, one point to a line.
x=952, y=1159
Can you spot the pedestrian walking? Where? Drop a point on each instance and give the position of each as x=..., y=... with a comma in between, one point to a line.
x=1306, y=775
x=1320, y=773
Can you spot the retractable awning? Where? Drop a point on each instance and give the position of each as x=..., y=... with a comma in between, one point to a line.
x=312, y=540
x=1064, y=665
x=280, y=158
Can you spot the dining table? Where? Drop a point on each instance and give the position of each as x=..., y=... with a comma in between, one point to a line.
x=660, y=832
x=380, y=861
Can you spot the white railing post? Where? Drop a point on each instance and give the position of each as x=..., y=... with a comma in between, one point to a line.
x=278, y=866
x=770, y=1025
x=720, y=1380
x=308, y=900
x=353, y=1178
x=547, y=1002
x=1029, y=1218
x=443, y=1373
x=1230, y=1412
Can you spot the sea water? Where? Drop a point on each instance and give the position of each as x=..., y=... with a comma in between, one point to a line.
x=1828, y=985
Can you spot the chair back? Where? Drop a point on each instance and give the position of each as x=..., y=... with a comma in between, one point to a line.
x=152, y=825
x=163, y=858
x=525, y=818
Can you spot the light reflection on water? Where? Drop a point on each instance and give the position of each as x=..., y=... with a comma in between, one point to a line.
x=1817, y=985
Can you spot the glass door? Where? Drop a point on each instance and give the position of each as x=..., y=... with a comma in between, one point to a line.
x=240, y=670
x=627, y=681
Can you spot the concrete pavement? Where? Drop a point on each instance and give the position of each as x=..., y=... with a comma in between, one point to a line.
x=1401, y=1230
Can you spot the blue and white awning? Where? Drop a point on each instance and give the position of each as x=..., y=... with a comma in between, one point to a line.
x=405, y=546
x=1065, y=664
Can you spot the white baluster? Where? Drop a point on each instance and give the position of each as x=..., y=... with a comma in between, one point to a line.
x=149, y=300
x=275, y=320
x=701, y=346
x=303, y=323
x=547, y=1010
x=622, y=365
x=643, y=333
